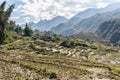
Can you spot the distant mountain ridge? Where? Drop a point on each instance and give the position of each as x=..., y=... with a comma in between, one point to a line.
x=92, y=24
x=74, y=20
x=46, y=25
x=88, y=20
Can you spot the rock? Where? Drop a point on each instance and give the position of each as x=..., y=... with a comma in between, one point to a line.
x=55, y=51
x=112, y=62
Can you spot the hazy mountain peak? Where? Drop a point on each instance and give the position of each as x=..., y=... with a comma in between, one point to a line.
x=46, y=25
x=114, y=5
x=59, y=17
x=88, y=19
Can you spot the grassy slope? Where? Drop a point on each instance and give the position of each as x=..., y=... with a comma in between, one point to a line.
x=18, y=61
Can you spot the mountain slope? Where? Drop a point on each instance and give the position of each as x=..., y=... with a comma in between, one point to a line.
x=68, y=27
x=46, y=25
x=92, y=24
x=82, y=15
x=75, y=19
x=110, y=30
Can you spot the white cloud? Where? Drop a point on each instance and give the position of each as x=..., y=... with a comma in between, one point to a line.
x=27, y=19
x=15, y=17
x=47, y=9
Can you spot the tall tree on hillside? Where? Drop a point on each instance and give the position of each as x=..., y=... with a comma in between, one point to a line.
x=28, y=31
x=18, y=29
x=4, y=17
x=11, y=25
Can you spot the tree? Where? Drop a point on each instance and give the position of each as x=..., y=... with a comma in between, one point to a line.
x=11, y=26
x=4, y=18
x=28, y=31
x=18, y=29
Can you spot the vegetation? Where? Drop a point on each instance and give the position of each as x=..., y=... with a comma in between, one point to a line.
x=22, y=59
x=53, y=75
x=40, y=59
x=71, y=43
x=26, y=54
x=18, y=30
x=4, y=17
x=49, y=36
x=27, y=31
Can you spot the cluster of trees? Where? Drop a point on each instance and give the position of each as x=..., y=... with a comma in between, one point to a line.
x=49, y=36
x=71, y=43
x=7, y=27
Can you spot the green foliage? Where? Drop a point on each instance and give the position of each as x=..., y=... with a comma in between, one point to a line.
x=32, y=45
x=18, y=30
x=71, y=43
x=47, y=36
x=2, y=36
x=11, y=26
x=9, y=38
x=4, y=17
x=53, y=75
x=28, y=31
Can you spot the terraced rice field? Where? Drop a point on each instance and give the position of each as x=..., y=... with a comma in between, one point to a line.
x=55, y=63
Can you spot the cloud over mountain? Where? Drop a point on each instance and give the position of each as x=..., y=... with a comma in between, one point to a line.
x=46, y=9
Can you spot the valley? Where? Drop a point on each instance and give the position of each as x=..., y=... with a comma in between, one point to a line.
x=46, y=42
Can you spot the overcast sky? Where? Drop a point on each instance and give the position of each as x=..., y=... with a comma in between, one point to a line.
x=36, y=10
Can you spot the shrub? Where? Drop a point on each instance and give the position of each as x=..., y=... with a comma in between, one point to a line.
x=71, y=43
x=53, y=75
x=50, y=37
x=32, y=45
x=40, y=49
x=9, y=38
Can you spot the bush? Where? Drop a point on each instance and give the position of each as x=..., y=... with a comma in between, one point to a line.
x=50, y=37
x=40, y=49
x=53, y=75
x=71, y=43
x=32, y=45
x=9, y=38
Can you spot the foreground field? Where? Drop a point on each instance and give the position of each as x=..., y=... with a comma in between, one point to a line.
x=39, y=60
